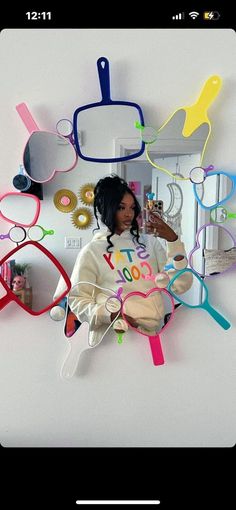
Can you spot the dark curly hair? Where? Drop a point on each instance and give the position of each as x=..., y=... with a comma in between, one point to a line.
x=108, y=194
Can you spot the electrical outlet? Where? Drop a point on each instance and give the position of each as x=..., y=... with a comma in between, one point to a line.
x=73, y=242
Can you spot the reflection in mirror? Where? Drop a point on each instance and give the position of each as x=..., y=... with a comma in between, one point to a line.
x=179, y=206
x=46, y=153
x=20, y=208
x=211, y=186
x=40, y=275
x=76, y=300
x=188, y=129
x=194, y=296
x=18, y=234
x=220, y=214
x=181, y=210
x=146, y=314
x=198, y=297
x=170, y=138
x=148, y=133
x=37, y=233
x=197, y=175
x=15, y=234
x=64, y=127
x=21, y=181
x=101, y=125
x=77, y=346
x=42, y=278
x=214, y=251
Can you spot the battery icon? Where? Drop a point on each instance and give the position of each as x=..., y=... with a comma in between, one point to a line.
x=211, y=15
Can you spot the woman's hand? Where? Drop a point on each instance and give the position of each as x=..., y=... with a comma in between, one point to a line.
x=129, y=319
x=155, y=225
x=115, y=315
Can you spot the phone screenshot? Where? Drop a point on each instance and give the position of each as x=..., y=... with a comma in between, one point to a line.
x=118, y=256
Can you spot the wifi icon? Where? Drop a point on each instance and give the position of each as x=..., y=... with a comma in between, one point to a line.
x=194, y=14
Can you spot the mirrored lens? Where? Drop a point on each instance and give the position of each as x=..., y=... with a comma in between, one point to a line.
x=21, y=182
x=173, y=130
x=197, y=175
x=46, y=152
x=113, y=305
x=194, y=296
x=170, y=137
x=101, y=125
x=20, y=209
x=219, y=214
x=147, y=315
x=148, y=134
x=17, y=234
x=79, y=301
x=216, y=187
x=32, y=277
x=78, y=296
x=64, y=127
x=35, y=233
x=216, y=252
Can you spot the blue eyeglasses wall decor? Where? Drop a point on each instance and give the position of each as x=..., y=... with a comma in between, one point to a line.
x=101, y=122
x=198, y=298
x=210, y=185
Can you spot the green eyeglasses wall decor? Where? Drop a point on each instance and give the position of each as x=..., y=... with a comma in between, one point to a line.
x=220, y=215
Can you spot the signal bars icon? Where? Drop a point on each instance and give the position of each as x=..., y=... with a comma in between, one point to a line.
x=179, y=16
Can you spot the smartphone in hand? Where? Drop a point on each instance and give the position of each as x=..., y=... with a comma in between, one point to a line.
x=150, y=213
x=158, y=208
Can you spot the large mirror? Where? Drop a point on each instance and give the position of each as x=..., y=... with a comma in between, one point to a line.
x=46, y=153
x=181, y=210
x=29, y=274
x=96, y=125
x=100, y=125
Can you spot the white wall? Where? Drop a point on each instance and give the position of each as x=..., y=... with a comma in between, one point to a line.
x=118, y=398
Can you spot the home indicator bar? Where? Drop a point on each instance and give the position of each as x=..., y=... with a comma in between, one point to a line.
x=117, y=502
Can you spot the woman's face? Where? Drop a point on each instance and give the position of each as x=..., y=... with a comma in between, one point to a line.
x=125, y=213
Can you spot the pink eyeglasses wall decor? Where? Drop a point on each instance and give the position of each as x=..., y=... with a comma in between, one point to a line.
x=154, y=340
x=16, y=208
x=46, y=152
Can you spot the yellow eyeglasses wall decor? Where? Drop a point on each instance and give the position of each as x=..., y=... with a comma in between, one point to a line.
x=187, y=129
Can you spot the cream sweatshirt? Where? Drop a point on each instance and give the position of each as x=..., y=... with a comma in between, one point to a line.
x=125, y=267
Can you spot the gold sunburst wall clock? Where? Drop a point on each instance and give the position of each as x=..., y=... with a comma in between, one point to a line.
x=82, y=218
x=86, y=194
x=65, y=200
